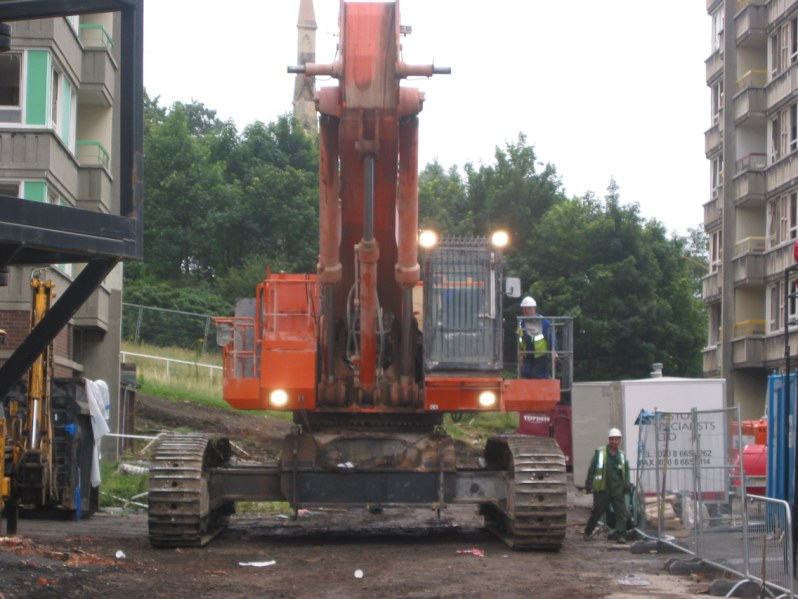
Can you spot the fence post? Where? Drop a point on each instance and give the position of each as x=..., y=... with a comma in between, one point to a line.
x=205, y=335
x=137, y=336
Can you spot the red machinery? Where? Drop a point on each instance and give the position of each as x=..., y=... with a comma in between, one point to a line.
x=367, y=376
x=754, y=457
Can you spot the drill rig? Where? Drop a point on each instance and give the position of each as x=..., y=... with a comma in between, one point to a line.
x=367, y=353
x=46, y=434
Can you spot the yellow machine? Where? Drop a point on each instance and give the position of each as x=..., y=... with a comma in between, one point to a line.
x=47, y=440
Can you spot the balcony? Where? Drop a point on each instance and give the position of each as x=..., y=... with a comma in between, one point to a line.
x=94, y=35
x=36, y=152
x=751, y=24
x=712, y=285
x=748, y=352
x=713, y=212
x=778, y=8
x=92, y=153
x=777, y=259
x=97, y=78
x=782, y=174
x=749, y=328
x=95, y=189
x=94, y=314
x=749, y=180
x=712, y=140
x=749, y=262
x=750, y=102
x=780, y=89
x=774, y=349
x=711, y=357
x=55, y=35
x=714, y=65
x=711, y=4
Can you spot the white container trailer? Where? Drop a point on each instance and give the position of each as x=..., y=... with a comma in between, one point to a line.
x=599, y=406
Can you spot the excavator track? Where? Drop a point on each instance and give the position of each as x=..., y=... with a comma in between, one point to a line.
x=533, y=515
x=181, y=513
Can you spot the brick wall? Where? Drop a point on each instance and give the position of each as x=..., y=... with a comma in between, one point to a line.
x=17, y=326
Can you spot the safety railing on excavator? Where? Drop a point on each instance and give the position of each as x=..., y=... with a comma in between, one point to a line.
x=556, y=359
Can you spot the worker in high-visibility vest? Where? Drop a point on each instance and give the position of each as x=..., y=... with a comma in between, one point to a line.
x=535, y=341
x=608, y=480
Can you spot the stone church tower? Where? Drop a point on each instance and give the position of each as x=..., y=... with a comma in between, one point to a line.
x=305, y=86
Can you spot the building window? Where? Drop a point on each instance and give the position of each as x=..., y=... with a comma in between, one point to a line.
x=714, y=325
x=774, y=56
x=717, y=175
x=776, y=310
x=10, y=70
x=10, y=188
x=787, y=217
x=55, y=99
x=784, y=42
x=781, y=219
x=794, y=40
x=10, y=85
x=717, y=29
x=715, y=251
x=783, y=133
x=717, y=102
x=783, y=48
x=74, y=22
x=63, y=108
x=793, y=127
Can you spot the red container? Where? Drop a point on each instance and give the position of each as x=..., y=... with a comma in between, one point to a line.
x=554, y=423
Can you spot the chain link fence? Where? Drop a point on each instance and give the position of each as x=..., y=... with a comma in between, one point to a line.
x=168, y=328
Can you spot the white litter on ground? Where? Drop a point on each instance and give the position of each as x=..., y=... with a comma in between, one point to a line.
x=634, y=580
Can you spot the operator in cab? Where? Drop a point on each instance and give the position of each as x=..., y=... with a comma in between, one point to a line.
x=535, y=341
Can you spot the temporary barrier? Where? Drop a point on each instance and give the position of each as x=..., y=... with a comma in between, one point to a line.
x=768, y=543
x=692, y=484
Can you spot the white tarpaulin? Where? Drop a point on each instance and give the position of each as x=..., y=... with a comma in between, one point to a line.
x=99, y=409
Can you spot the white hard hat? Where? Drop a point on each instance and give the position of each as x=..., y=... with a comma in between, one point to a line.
x=614, y=432
x=529, y=302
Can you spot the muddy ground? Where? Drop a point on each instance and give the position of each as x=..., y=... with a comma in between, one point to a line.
x=330, y=553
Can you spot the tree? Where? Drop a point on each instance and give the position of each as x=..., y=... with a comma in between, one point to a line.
x=625, y=283
x=442, y=201
x=185, y=193
x=513, y=196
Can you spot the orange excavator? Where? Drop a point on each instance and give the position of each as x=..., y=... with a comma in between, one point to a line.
x=372, y=350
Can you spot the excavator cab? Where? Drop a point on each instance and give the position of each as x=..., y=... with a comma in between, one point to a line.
x=462, y=306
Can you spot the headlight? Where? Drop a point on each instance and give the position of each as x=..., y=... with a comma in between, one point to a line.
x=500, y=239
x=487, y=399
x=278, y=398
x=428, y=238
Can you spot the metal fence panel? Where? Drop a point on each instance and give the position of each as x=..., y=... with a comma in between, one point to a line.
x=691, y=483
x=163, y=327
x=768, y=539
x=686, y=476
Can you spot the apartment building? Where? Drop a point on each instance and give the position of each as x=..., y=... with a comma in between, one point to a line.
x=751, y=215
x=59, y=140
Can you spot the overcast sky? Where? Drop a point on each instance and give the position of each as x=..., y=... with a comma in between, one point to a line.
x=600, y=89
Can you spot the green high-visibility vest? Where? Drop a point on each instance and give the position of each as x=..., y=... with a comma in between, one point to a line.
x=600, y=475
x=539, y=343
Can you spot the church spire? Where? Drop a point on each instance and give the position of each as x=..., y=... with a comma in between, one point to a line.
x=305, y=86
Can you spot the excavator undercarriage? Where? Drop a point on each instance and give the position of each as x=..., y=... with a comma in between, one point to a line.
x=521, y=489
